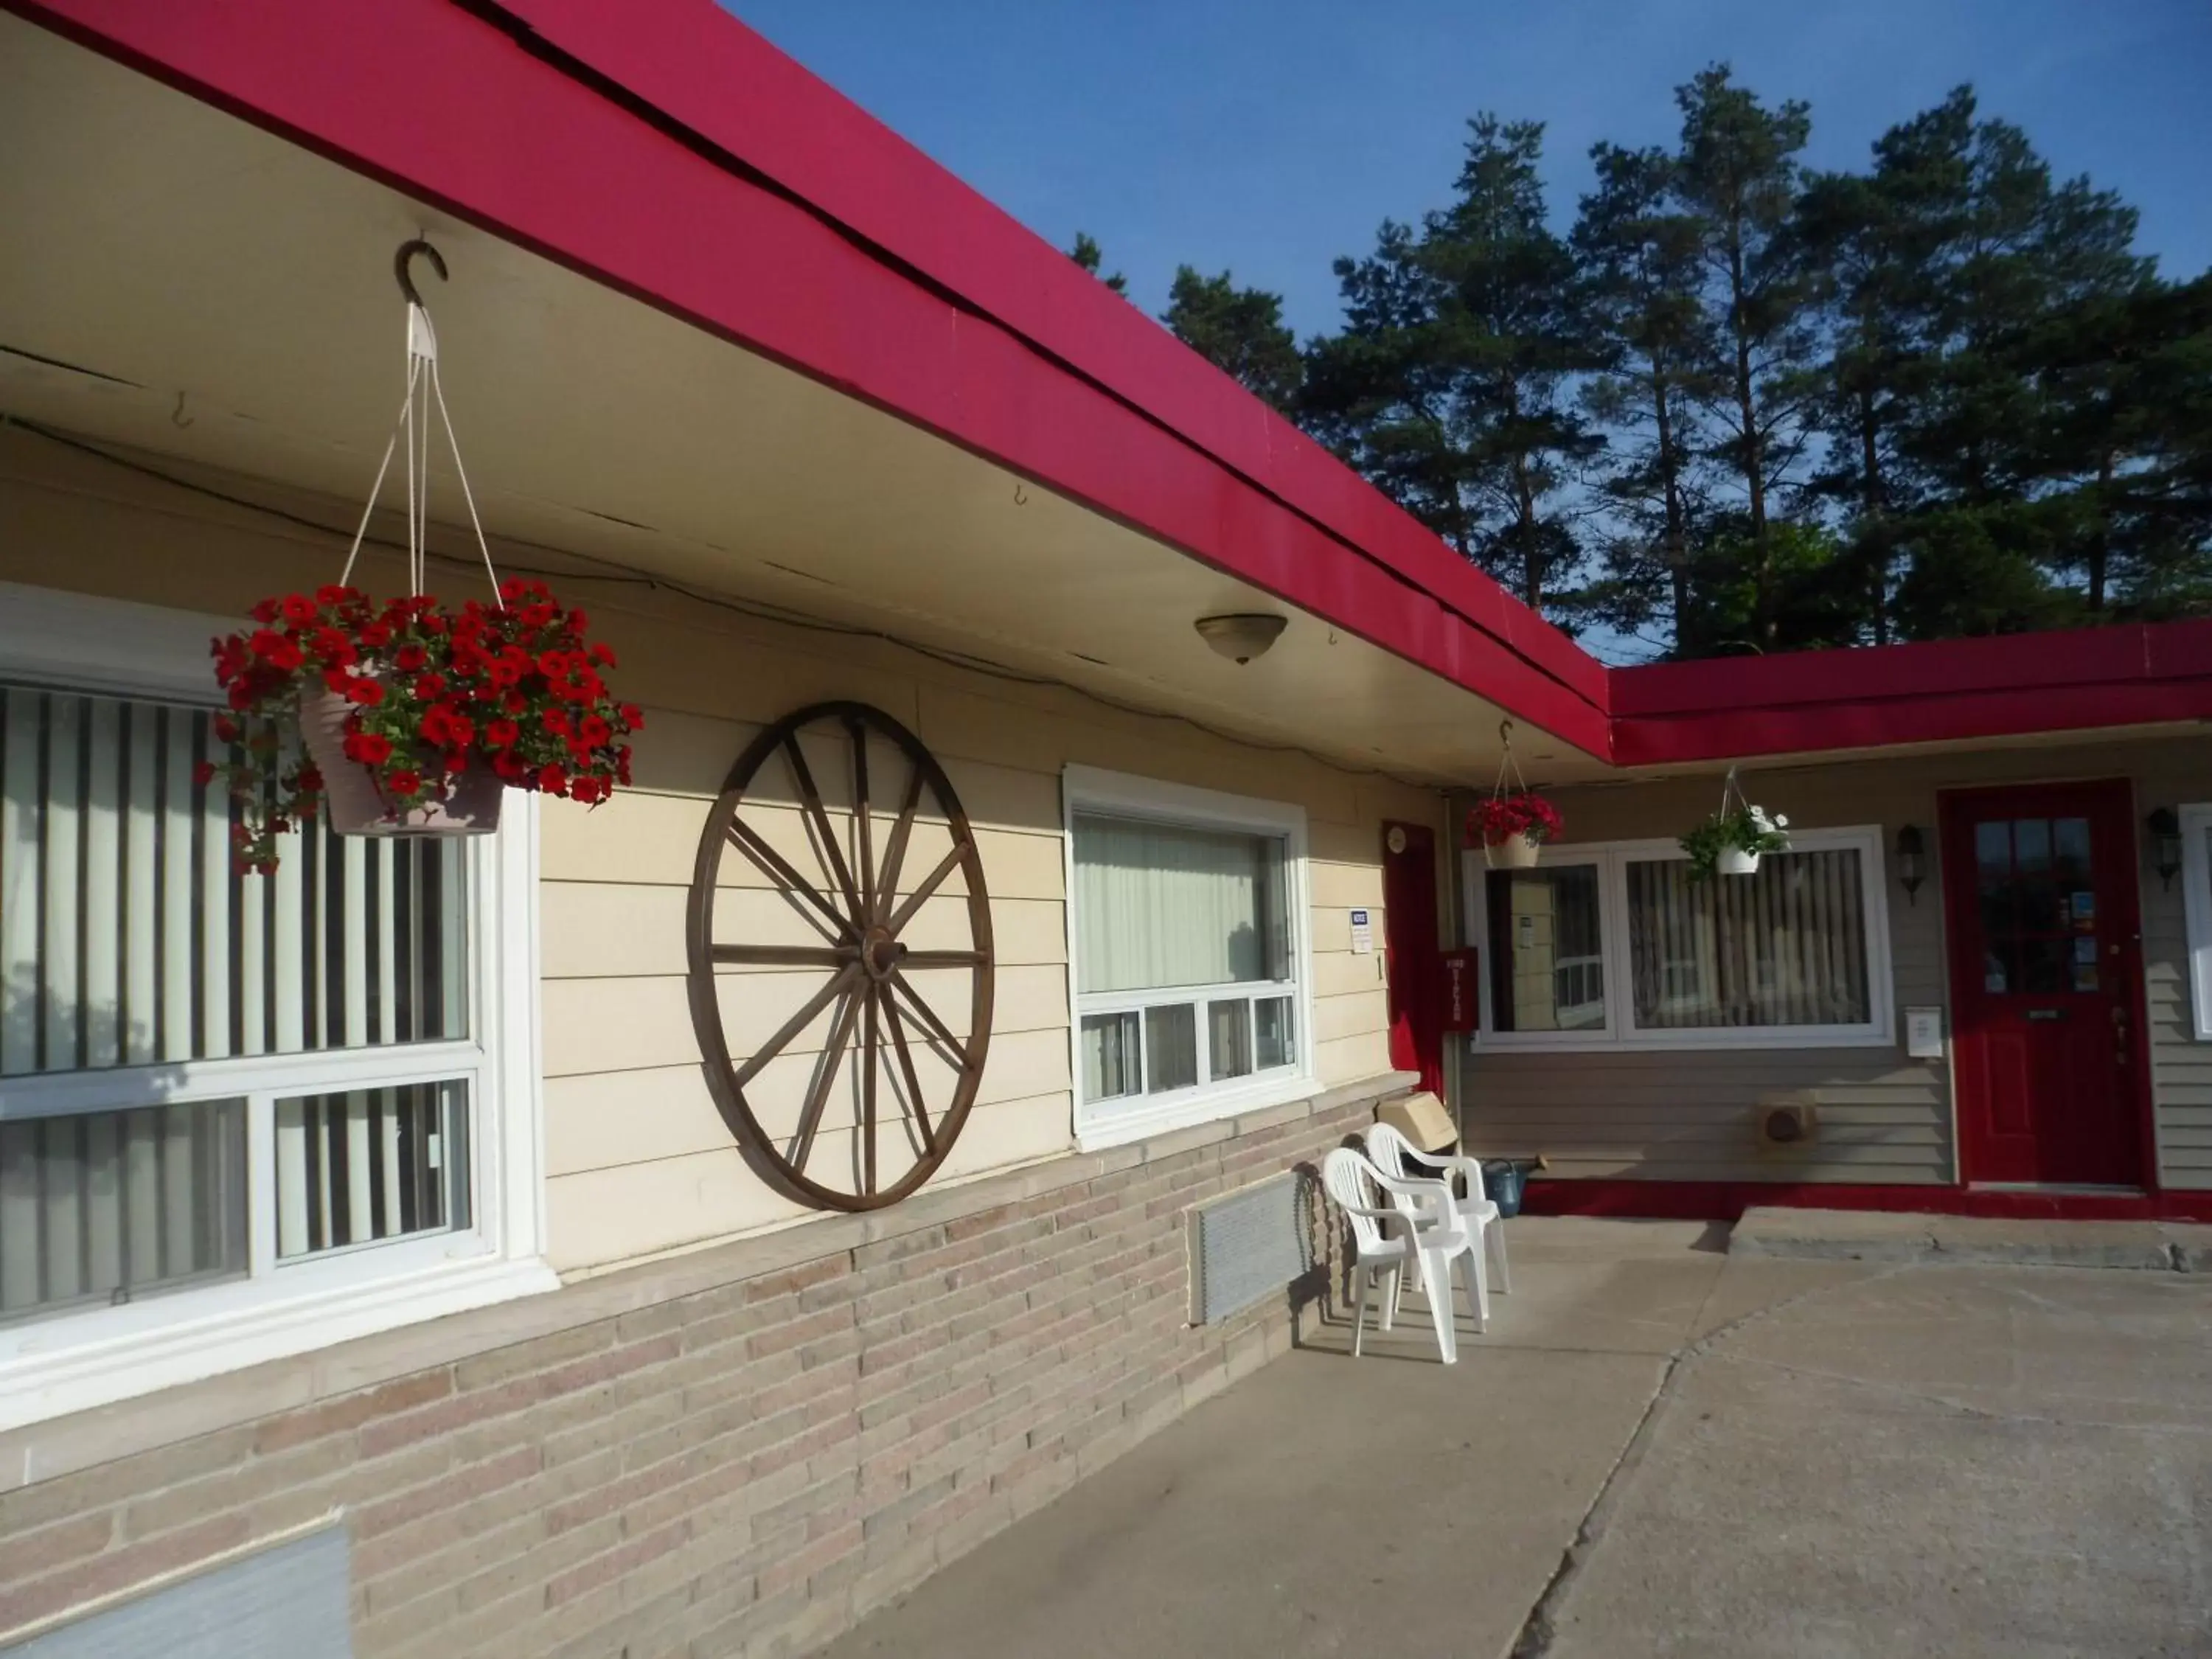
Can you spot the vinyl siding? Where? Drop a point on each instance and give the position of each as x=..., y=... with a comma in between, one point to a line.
x=1884, y=1118
x=2181, y=1066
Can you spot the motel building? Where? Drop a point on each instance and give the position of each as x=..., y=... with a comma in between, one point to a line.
x=699, y=1216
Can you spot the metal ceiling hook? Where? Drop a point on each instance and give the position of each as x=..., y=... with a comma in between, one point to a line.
x=405, y=258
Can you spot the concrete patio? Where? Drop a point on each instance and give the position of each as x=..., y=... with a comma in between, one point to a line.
x=1659, y=1447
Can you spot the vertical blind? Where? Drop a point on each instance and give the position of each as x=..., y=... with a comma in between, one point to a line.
x=127, y=939
x=369, y=1164
x=1158, y=905
x=1785, y=945
x=100, y=1204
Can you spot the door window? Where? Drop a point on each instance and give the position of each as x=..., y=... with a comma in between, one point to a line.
x=2037, y=900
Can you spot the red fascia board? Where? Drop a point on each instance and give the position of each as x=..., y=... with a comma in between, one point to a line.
x=1896, y=695
x=443, y=105
x=685, y=58
x=1938, y=667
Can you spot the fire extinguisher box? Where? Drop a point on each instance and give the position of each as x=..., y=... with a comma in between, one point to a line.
x=1461, y=990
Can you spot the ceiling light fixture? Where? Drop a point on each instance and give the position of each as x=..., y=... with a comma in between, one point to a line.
x=1243, y=636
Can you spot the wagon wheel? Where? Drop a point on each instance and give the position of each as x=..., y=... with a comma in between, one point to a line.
x=830, y=957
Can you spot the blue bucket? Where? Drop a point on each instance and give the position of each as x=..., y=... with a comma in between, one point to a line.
x=1502, y=1180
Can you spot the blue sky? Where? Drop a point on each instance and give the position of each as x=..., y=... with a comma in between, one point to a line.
x=1267, y=136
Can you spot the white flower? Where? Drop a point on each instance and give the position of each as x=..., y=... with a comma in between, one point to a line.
x=1781, y=822
x=1759, y=817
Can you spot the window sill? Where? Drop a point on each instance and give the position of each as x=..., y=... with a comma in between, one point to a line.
x=103, y=1371
x=1121, y=1130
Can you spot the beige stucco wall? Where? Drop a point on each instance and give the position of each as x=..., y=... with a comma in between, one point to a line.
x=638, y=1161
x=1884, y=1118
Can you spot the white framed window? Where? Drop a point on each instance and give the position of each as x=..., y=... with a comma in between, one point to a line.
x=1613, y=946
x=2197, y=900
x=1187, y=954
x=240, y=1116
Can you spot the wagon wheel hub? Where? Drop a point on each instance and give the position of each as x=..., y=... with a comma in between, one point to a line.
x=881, y=953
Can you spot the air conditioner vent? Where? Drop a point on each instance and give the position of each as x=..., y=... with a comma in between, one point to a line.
x=1787, y=1120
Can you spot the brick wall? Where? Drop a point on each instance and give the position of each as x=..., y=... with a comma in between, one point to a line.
x=742, y=1468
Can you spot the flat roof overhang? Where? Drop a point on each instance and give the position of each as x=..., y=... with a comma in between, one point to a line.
x=668, y=154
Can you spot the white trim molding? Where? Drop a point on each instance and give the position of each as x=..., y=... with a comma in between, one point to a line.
x=2196, y=906
x=75, y=1357
x=1123, y=795
x=1619, y=1033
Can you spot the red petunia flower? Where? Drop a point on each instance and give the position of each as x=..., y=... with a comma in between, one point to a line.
x=404, y=780
x=369, y=747
x=366, y=693
x=203, y=774
x=299, y=610
x=227, y=730
x=501, y=733
x=409, y=657
x=593, y=730
x=509, y=765
x=552, y=780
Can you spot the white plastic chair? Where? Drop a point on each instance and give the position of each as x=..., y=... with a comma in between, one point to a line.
x=1477, y=1213
x=1387, y=1236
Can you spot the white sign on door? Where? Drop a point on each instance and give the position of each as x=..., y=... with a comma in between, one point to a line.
x=1363, y=935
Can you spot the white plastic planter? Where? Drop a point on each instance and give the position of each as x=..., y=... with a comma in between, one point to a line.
x=1514, y=852
x=1735, y=861
x=356, y=802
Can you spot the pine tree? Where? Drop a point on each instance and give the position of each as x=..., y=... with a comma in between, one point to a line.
x=1240, y=331
x=1451, y=386
x=1738, y=175
x=1087, y=253
x=1641, y=263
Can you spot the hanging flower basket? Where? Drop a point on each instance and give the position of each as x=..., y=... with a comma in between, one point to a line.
x=414, y=718
x=1511, y=830
x=1512, y=826
x=1730, y=841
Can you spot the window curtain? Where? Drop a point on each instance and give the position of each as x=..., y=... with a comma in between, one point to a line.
x=1783, y=947
x=1157, y=905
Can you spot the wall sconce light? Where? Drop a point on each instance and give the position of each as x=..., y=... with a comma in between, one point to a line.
x=1912, y=850
x=2165, y=827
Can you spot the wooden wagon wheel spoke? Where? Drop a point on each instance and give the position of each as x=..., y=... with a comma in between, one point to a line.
x=895, y=850
x=927, y=1016
x=857, y=967
x=785, y=956
x=935, y=879
x=798, y=1022
x=865, y=829
x=831, y=852
x=913, y=1101
x=868, y=1094
x=777, y=868
x=825, y=1074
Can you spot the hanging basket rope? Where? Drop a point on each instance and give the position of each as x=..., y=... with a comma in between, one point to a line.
x=424, y=392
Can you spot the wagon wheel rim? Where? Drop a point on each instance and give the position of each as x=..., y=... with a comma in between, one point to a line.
x=882, y=1029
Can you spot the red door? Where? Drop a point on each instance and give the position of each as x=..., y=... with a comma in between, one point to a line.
x=2046, y=984
x=1409, y=934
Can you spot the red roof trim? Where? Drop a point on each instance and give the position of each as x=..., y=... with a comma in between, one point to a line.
x=609, y=139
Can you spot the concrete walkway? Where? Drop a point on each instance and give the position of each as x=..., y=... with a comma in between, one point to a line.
x=1658, y=1448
